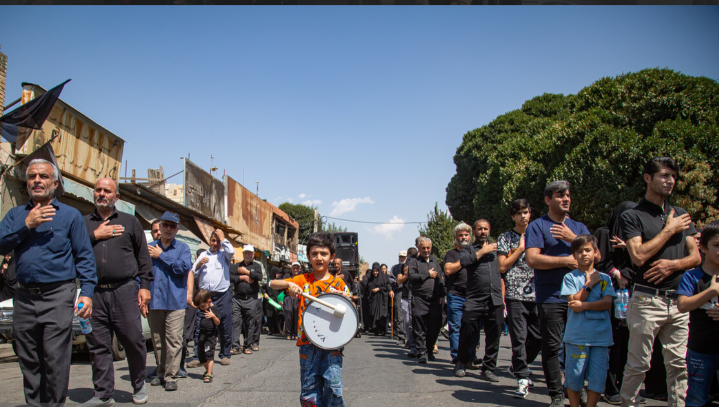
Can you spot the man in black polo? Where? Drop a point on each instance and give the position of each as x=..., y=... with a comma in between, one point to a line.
x=245, y=279
x=660, y=241
x=483, y=302
x=121, y=255
x=426, y=280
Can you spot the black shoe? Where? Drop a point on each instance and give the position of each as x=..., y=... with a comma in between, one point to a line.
x=641, y=400
x=422, y=359
x=460, y=370
x=171, y=386
x=431, y=357
x=489, y=376
x=557, y=401
x=156, y=381
x=614, y=400
x=412, y=354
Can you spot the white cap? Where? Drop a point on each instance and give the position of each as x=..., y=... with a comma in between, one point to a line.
x=296, y=263
x=403, y=253
x=248, y=248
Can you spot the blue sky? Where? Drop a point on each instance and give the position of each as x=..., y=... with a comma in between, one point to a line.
x=357, y=110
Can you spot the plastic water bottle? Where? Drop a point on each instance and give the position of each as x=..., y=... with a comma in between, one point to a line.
x=620, y=304
x=84, y=322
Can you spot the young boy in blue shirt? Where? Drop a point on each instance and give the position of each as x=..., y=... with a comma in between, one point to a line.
x=588, y=334
x=698, y=294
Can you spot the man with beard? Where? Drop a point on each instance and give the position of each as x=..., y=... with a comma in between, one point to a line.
x=397, y=322
x=52, y=249
x=245, y=279
x=483, y=302
x=155, y=229
x=122, y=257
x=548, y=251
x=456, y=289
x=426, y=280
x=660, y=241
x=212, y=270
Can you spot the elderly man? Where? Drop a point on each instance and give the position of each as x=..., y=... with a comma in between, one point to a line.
x=426, y=280
x=212, y=270
x=122, y=257
x=171, y=261
x=660, y=241
x=245, y=279
x=52, y=248
x=483, y=302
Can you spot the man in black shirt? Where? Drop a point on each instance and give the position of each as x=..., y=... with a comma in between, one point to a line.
x=122, y=257
x=426, y=280
x=398, y=321
x=245, y=279
x=456, y=283
x=660, y=241
x=483, y=302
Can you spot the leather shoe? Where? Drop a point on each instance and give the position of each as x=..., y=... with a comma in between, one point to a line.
x=156, y=381
x=171, y=386
x=412, y=354
x=489, y=376
x=422, y=359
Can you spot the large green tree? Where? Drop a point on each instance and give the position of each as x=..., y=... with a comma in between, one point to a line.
x=304, y=215
x=598, y=140
x=440, y=229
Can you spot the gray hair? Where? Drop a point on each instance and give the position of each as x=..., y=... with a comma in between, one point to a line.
x=462, y=227
x=556, y=186
x=55, y=174
x=423, y=240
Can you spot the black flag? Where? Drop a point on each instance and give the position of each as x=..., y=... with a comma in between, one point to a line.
x=30, y=115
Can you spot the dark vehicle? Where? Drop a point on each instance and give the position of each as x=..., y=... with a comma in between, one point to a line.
x=346, y=249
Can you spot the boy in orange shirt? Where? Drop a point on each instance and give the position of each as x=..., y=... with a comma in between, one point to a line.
x=320, y=370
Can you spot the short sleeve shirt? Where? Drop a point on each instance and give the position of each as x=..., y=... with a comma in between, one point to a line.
x=314, y=287
x=588, y=328
x=456, y=284
x=208, y=324
x=519, y=279
x=703, y=330
x=547, y=283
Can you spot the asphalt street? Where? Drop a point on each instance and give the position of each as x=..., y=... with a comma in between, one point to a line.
x=376, y=373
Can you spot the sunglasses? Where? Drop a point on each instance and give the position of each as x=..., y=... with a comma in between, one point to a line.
x=168, y=225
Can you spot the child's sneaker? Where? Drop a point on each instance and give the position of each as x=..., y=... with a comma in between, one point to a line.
x=522, y=388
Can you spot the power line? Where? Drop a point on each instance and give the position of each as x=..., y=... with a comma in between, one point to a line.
x=375, y=223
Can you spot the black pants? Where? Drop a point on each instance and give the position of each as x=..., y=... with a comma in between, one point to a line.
x=492, y=319
x=244, y=320
x=552, y=319
x=115, y=311
x=206, y=344
x=398, y=321
x=618, y=354
x=259, y=319
x=42, y=325
x=523, y=326
x=426, y=322
x=190, y=317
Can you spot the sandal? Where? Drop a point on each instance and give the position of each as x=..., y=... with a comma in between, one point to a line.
x=247, y=351
x=256, y=348
x=207, y=378
x=289, y=337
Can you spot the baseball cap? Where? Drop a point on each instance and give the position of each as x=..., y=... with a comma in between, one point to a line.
x=403, y=253
x=296, y=263
x=170, y=217
x=248, y=248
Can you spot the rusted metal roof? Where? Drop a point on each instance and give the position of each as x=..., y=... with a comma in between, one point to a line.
x=284, y=216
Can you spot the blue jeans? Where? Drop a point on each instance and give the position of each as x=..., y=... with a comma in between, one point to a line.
x=455, y=304
x=701, y=368
x=321, y=377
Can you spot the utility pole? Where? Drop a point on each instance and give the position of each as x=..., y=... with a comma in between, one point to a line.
x=315, y=222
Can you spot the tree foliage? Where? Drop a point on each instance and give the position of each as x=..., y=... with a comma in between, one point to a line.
x=304, y=215
x=599, y=140
x=440, y=229
x=332, y=228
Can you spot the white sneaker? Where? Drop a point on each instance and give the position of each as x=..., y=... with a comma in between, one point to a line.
x=522, y=388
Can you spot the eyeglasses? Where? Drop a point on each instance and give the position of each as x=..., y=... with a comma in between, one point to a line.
x=168, y=225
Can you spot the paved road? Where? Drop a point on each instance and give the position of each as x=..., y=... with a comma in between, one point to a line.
x=376, y=373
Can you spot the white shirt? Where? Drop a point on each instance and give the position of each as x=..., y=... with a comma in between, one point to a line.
x=214, y=276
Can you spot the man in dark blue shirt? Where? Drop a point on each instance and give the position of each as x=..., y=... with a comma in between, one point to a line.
x=548, y=252
x=52, y=248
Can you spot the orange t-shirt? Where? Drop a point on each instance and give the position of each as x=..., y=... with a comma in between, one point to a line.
x=314, y=287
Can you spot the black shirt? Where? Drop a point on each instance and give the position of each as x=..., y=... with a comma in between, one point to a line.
x=122, y=257
x=420, y=283
x=647, y=220
x=405, y=285
x=242, y=287
x=207, y=324
x=456, y=283
x=484, y=282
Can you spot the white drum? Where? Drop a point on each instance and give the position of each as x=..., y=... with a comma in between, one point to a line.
x=326, y=330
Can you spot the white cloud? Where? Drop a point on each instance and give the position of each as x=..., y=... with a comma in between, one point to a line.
x=302, y=196
x=388, y=229
x=312, y=202
x=348, y=205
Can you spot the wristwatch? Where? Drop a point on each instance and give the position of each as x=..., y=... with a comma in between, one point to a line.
x=587, y=288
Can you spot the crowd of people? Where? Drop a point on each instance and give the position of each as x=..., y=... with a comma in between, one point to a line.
x=600, y=308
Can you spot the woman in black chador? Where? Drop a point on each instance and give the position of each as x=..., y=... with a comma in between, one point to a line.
x=364, y=295
x=379, y=288
x=289, y=307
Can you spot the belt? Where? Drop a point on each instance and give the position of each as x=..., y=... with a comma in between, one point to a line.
x=112, y=285
x=655, y=292
x=42, y=288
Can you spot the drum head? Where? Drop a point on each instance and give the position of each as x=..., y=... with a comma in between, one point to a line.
x=323, y=328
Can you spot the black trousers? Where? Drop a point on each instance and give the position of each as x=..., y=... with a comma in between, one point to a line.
x=42, y=325
x=259, y=319
x=398, y=321
x=618, y=354
x=244, y=320
x=426, y=322
x=552, y=319
x=115, y=311
x=492, y=319
x=290, y=306
x=523, y=326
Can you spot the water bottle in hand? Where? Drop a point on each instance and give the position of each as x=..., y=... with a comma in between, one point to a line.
x=620, y=304
x=84, y=322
